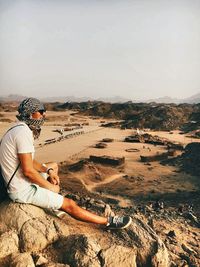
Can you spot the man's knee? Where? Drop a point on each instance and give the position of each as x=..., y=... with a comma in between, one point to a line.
x=69, y=204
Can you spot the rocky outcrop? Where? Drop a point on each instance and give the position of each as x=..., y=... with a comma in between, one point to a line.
x=36, y=236
x=150, y=249
x=189, y=160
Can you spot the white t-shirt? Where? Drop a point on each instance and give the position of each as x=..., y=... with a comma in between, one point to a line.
x=17, y=140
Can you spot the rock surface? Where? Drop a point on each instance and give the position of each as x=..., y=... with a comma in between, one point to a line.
x=37, y=233
x=83, y=251
x=118, y=256
x=9, y=243
x=22, y=260
x=15, y=215
x=136, y=246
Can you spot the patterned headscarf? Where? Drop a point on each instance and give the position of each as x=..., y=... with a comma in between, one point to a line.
x=27, y=107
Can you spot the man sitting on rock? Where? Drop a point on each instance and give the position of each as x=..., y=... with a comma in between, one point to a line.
x=27, y=184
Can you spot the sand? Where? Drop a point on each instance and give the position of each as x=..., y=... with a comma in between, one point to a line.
x=142, y=179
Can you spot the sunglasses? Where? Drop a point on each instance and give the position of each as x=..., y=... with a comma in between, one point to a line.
x=42, y=111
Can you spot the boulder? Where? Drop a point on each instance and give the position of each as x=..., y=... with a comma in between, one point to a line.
x=9, y=243
x=35, y=228
x=119, y=256
x=83, y=251
x=16, y=214
x=151, y=251
x=37, y=233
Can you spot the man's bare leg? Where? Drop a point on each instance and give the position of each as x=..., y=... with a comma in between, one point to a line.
x=74, y=210
x=79, y=213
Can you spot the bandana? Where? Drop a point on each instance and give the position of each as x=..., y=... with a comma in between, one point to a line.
x=27, y=107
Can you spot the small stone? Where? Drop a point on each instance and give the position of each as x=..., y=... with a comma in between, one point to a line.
x=171, y=234
x=192, y=217
x=187, y=249
x=39, y=260
x=108, y=211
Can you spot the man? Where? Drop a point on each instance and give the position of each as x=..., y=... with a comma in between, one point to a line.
x=28, y=185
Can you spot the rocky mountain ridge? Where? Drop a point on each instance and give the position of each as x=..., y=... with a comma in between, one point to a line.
x=194, y=99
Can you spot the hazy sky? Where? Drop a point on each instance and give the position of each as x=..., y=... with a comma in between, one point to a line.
x=137, y=49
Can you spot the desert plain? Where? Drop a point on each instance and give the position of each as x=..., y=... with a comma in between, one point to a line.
x=162, y=194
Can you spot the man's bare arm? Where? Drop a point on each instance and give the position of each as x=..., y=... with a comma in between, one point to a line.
x=53, y=176
x=33, y=175
x=38, y=166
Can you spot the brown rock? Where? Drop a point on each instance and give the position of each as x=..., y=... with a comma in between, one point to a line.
x=14, y=215
x=37, y=233
x=151, y=251
x=82, y=251
x=118, y=256
x=9, y=243
x=22, y=260
x=161, y=257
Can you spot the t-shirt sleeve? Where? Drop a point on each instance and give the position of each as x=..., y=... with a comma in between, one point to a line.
x=24, y=142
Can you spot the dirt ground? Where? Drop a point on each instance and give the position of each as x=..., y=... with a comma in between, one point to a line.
x=136, y=178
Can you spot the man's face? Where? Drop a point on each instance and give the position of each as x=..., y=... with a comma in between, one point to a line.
x=39, y=114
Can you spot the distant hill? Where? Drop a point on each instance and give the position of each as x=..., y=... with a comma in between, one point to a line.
x=195, y=99
x=62, y=99
x=115, y=99
x=12, y=98
x=164, y=100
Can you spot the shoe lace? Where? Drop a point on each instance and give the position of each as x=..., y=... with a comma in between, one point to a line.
x=117, y=220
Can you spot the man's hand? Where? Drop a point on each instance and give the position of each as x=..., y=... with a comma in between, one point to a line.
x=55, y=188
x=53, y=178
x=34, y=176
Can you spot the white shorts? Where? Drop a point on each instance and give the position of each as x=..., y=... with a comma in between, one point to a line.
x=38, y=196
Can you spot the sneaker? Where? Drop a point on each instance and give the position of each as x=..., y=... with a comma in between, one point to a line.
x=119, y=222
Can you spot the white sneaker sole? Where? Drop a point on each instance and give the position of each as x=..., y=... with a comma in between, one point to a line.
x=59, y=213
x=123, y=227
